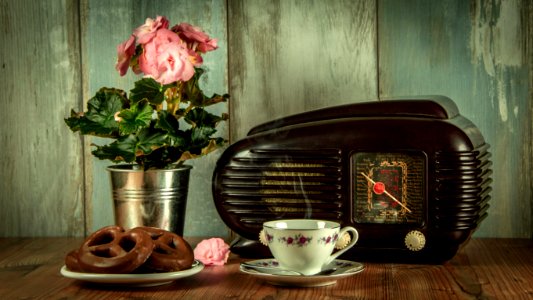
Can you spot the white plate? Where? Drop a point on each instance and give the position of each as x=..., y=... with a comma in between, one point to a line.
x=141, y=280
x=350, y=267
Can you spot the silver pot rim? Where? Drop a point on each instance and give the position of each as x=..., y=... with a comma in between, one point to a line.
x=137, y=168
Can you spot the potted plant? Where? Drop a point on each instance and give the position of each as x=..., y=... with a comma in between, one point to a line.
x=161, y=123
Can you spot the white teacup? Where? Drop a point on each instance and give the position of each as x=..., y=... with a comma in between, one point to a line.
x=305, y=245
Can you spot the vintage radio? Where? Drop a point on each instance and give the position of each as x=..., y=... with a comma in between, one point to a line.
x=412, y=175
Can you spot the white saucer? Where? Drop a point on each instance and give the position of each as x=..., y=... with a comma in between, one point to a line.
x=140, y=280
x=350, y=268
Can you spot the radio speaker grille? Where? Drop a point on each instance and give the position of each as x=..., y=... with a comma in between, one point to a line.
x=264, y=184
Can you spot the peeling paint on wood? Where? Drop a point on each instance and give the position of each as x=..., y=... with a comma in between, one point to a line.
x=474, y=53
x=497, y=42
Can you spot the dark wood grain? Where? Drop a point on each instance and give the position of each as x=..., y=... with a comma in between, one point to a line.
x=484, y=269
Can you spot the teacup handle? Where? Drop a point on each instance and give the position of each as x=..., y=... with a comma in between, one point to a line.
x=342, y=232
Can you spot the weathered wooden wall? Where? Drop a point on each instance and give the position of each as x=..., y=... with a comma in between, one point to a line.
x=476, y=53
x=41, y=169
x=292, y=56
x=275, y=58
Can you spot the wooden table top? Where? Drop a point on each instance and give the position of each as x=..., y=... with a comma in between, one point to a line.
x=484, y=269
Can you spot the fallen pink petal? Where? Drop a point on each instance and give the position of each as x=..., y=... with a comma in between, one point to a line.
x=213, y=251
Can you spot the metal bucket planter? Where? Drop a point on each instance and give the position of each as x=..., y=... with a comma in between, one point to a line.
x=155, y=198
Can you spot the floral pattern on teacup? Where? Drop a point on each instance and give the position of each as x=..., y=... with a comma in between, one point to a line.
x=268, y=263
x=275, y=264
x=298, y=240
x=269, y=237
x=329, y=239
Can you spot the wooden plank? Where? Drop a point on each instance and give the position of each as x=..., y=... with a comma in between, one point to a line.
x=476, y=53
x=504, y=263
x=40, y=182
x=483, y=269
x=293, y=56
x=108, y=23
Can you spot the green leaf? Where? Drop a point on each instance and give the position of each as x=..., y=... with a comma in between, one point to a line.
x=99, y=119
x=200, y=135
x=149, y=140
x=149, y=89
x=196, y=138
x=161, y=158
x=84, y=126
x=103, y=106
x=129, y=147
x=134, y=119
x=167, y=122
x=200, y=117
x=123, y=149
x=180, y=140
x=75, y=122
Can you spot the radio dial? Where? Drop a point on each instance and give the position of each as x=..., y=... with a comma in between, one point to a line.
x=415, y=240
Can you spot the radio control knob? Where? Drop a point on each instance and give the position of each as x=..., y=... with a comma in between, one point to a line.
x=415, y=240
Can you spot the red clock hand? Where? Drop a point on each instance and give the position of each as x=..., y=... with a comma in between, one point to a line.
x=379, y=188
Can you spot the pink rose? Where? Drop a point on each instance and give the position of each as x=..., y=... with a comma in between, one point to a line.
x=166, y=58
x=195, y=37
x=173, y=64
x=212, y=251
x=147, y=31
x=125, y=51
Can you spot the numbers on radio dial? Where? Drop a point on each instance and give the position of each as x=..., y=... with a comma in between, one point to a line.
x=389, y=187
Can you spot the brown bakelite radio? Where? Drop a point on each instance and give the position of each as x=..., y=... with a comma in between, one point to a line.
x=412, y=175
